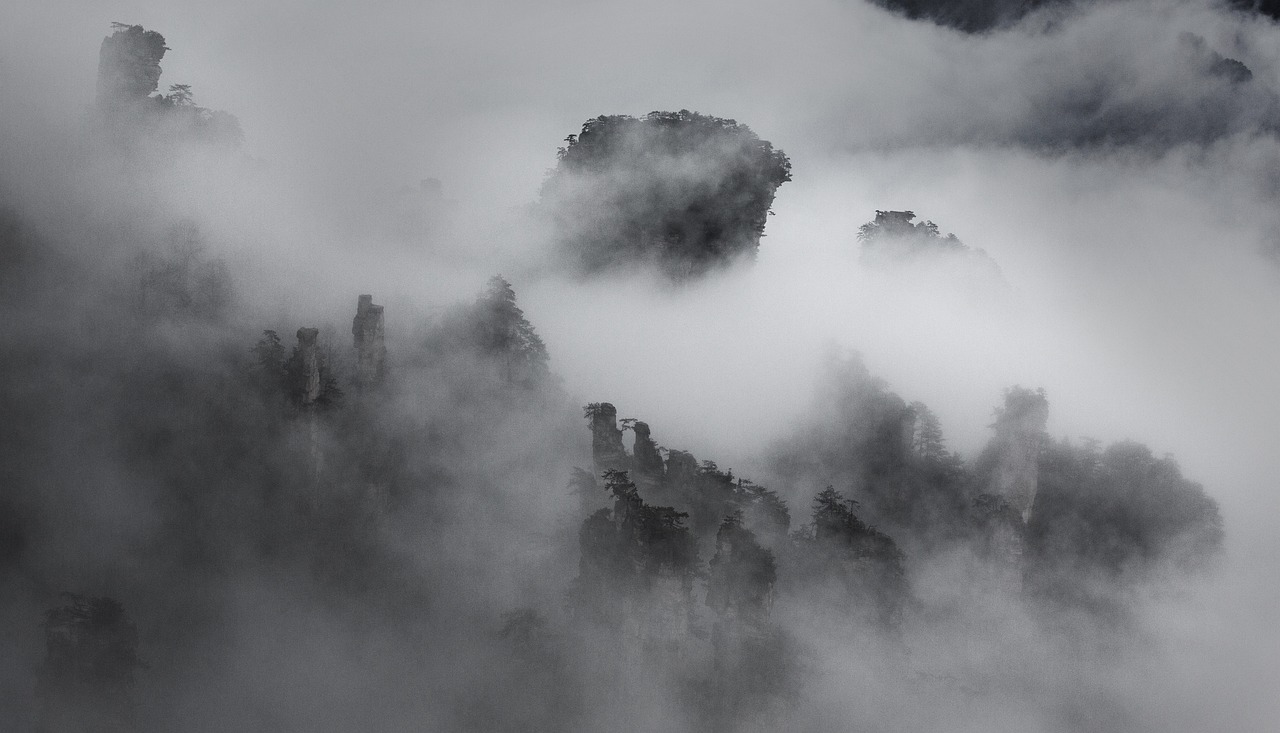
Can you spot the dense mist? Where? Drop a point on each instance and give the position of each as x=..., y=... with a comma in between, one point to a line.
x=663, y=367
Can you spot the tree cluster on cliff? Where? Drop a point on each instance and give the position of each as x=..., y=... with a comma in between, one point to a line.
x=1114, y=515
x=894, y=240
x=680, y=191
x=745, y=524
x=624, y=550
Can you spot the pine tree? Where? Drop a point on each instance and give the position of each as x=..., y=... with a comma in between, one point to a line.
x=504, y=333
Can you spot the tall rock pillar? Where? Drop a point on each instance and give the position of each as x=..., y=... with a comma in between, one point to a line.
x=309, y=389
x=371, y=351
x=606, y=438
x=647, y=461
x=1020, y=430
x=647, y=458
x=309, y=385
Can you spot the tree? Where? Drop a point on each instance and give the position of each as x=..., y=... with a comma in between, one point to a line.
x=503, y=333
x=180, y=95
x=927, y=439
x=181, y=281
x=268, y=368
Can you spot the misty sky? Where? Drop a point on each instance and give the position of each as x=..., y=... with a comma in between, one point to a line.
x=1137, y=284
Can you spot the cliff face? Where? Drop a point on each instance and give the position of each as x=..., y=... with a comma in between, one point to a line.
x=371, y=352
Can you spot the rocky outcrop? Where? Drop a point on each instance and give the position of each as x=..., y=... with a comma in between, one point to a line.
x=368, y=330
x=682, y=191
x=129, y=65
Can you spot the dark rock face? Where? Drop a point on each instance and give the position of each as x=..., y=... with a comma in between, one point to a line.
x=129, y=65
x=371, y=352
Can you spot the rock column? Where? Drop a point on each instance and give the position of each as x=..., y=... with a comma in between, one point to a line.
x=606, y=439
x=310, y=377
x=371, y=351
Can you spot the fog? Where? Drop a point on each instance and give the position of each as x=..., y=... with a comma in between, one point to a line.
x=1126, y=193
